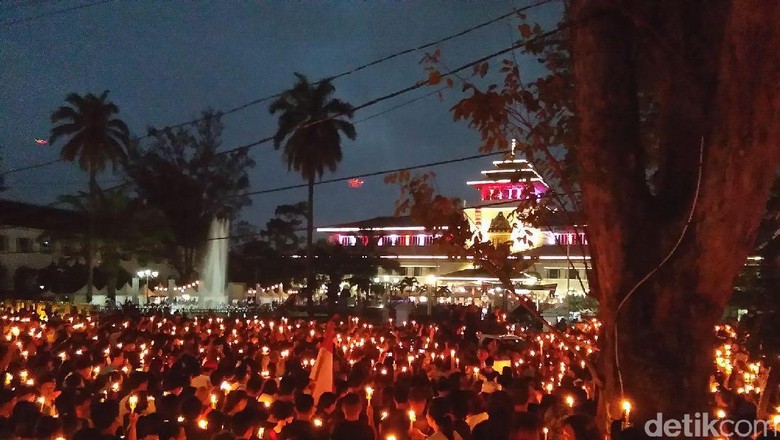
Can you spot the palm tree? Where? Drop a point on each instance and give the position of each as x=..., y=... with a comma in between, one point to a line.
x=311, y=122
x=95, y=136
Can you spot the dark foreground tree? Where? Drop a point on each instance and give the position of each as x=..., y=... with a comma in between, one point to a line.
x=311, y=123
x=669, y=114
x=183, y=175
x=95, y=137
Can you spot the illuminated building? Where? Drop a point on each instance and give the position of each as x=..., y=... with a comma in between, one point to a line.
x=557, y=248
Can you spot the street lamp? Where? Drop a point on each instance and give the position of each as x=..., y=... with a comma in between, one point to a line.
x=431, y=280
x=146, y=274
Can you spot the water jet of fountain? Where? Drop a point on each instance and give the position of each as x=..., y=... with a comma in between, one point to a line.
x=213, y=286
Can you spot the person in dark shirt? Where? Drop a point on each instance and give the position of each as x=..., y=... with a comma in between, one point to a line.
x=302, y=427
x=499, y=423
x=105, y=417
x=352, y=428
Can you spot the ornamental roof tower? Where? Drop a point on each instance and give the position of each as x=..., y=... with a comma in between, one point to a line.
x=510, y=179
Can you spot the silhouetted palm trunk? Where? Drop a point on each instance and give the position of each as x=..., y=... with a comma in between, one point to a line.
x=91, y=231
x=309, y=240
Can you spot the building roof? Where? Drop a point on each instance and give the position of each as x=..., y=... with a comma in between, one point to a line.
x=377, y=223
x=47, y=218
x=555, y=219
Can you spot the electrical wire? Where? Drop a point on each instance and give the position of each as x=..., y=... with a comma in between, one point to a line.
x=418, y=84
x=7, y=24
x=371, y=63
x=340, y=75
x=656, y=268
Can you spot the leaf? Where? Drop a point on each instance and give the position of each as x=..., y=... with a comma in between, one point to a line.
x=525, y=30
x=434, y=77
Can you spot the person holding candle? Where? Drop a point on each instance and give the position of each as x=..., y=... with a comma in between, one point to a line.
x=302, y=427
x=580, y=427
x=352, y=428
x=439, y=418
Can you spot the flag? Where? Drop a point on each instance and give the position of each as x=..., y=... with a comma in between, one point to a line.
x=322, y=372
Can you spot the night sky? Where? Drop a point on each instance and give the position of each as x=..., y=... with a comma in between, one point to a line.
x=164, y=61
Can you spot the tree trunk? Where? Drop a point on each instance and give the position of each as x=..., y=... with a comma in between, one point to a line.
x=310, y=276
x=770, y=388
x=716, y=70
x=91, y=231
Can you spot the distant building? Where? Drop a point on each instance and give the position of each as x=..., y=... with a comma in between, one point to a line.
x=558, y=248
x=28, y=240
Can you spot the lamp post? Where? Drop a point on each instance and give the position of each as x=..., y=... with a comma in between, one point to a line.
x=431, y=280
x=146, y=274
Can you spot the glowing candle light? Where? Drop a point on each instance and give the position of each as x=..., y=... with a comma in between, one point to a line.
x=545, y=431
x=369, y=394
x=214, y=400
x=317, y=423
x=390, y=437
x=627, y=410
x=132, y=401
x=412, y=418
x=721, y=414
x=203, y=424
x=42, y=401
x=570, y=401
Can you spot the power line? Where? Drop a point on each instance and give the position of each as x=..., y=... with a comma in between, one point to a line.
x=30, y=167
x=371, y=63
x=371, y=174
x=419, y=84
x=52, y=13
x=340, y=75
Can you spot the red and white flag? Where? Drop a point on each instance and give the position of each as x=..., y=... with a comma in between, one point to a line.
x=322, y=372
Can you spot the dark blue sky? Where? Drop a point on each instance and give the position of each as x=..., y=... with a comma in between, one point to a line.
x=164, y=61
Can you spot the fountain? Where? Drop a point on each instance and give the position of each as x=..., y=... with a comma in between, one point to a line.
x=212, y=289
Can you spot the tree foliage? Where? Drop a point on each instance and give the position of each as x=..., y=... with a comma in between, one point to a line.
x=183, y=175
x=311, y=123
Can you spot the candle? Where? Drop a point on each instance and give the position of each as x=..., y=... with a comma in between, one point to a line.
x=412, y=418
x=317, y=423
x=369, y=393
x=570, y=401
x=627, y=410
x=42, y=401
x=203, y=424
x=132, y=401
x=213, y=399
x=260, y=433
x=545, y=431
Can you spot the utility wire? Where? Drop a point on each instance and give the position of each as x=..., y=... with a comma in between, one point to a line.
x=371, y=174
x=371, y=63
x=340, y=75
x=418, y=84
x=7, y=24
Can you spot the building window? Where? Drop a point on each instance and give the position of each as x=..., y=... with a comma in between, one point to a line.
x=553, y=274
x=24, y=245
x=3, y=243
x=418, y=271
x=573, y=274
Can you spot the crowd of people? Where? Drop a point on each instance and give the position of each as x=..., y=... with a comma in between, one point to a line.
x=161, y=376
